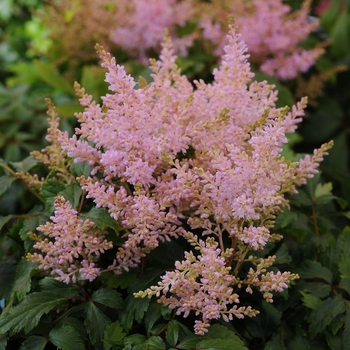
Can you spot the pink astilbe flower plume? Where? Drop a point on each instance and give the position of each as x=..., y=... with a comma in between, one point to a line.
x=169, y=160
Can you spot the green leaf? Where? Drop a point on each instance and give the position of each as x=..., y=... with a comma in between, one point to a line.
x=282, y=255
x=285, y=218
x=155, y=343
x=310, y=301
x=25, y=165
x=26, y=315
x=49, y=191
x=318, y=289
x=135, y=339
x=5, y=183
x=7, y=276
x=50, y=75
x=344, y=266
x=4, y=220
x=79, y=169
x=152, y=315
x=108, y=297
x=323, y=189
x=66, y=338
x=343, y=241
x=95, y=322
x=22, y=284
x=324, y=313
x=172, y=333
x=346, y=333
x=134, y=310
x=72, y=193
x=51, y=285
x=221, y=344
x=34, y=343
x=113, y=335
x=101, y=218
x=313, y=269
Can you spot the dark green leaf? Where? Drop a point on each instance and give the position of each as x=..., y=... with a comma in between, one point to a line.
x=344, y=266
x=345, y=284
x=155, y=343
x=95, y=322
x=221, y=344
x=324, y=313
x=152, y=315
x=79, y=169
x=66, y=338
x=26, y=315
x=4, y=220
x=49, y=191
x=50, y=75
x=346, y=333
x=318, y=289
x=101, y=218
x=313, y=269
x=134, y=310
x=51, y=285
x=34, y=343
x=172, y=333
x=113, y=335
x=282, y=255
x=25, y=165
x=108, y=297
x=135, y=339
x=5, y=183
x=72, y=193
x=22, y=284
x=7, y=276
x=310, y=301
x=285, y=219
x=343, y=242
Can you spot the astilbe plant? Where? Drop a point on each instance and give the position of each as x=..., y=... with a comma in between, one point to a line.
x=172, y=159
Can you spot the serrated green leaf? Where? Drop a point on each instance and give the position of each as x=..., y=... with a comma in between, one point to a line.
x=282, y=255
x=134, y=310
x=152, y=315
x=221, y=344
x=74, y=323
x=155, y=343
x=124, y=280
x=101, y=218
x=346, y=333
x=172, y=333
x=113, y=335
x=4, y=220
x=34, y=343
x=285, y=218
x=135, y=339
x=318, y=289
x=22, y=284
x=51, y=285
x=95, y=322
x=26, y=315
x=5, y=183
x=81, y=169
x=310, y=301
x=323, y=189
x=3, y=341
x=49, y=191
x=66, y=338
x=344, y=266
x=25, y=165
x=50, y=75
x=324, y=313
x=313, y=269
x=345, y=284
x=108, y=297
x=343, y=242
x=72, y=193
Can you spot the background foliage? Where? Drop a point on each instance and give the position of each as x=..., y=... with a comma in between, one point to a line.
x=39, y=312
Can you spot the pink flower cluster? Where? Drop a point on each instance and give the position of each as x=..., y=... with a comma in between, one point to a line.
x=171, y=158
x=71, y=246
x=272, y=32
